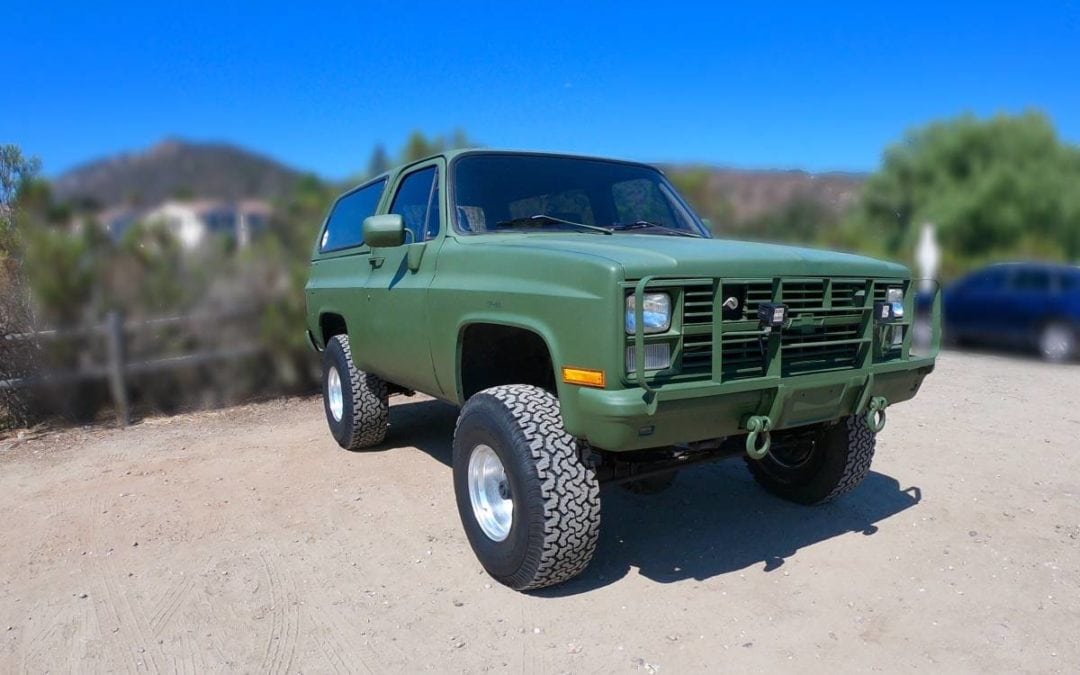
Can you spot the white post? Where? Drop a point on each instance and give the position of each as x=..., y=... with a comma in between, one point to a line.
x=928, y=255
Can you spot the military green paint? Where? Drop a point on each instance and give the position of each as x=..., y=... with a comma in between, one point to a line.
x=407, y=308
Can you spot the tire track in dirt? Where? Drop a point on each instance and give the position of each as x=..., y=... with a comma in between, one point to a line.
x=173, y=599
x=38, y=640
x=105, y=610
x=201, y=609
x=327, y=635
x=285, y=623
x=320, y=634
x=132, y=624
x=174, y=603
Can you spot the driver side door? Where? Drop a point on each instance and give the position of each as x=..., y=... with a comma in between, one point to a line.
x=400, y=276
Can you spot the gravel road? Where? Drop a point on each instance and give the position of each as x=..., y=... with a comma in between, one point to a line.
x=245, y=540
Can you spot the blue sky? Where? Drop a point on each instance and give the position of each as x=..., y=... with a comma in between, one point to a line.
x=813, y=85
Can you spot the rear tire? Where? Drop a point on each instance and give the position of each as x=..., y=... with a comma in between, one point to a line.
x=356, y=403
x=529, y=506
x=817, y=467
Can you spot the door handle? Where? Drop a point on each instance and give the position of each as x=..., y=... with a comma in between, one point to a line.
x=375, y=263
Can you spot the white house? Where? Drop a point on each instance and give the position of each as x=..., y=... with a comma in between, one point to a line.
x=191, y=222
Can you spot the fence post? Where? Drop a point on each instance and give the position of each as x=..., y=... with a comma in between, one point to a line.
x=117, y=356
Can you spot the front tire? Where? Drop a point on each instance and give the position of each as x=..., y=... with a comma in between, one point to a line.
x=356, y=403
x=817, y=466
x=1057, y=342
x=529, y=506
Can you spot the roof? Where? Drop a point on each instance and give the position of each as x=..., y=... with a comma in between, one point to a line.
x=1062, y=267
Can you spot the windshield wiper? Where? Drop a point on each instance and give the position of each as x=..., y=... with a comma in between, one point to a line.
x=645, y=224
x=543, y=219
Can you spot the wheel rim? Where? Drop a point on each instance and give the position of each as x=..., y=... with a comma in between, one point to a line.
x=792, y=455
x=334, y=397
x=489, y=492
x=1056, y=342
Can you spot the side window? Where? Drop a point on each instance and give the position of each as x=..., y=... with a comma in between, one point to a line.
x=1070, y=283
x=344, y=228
x=987, y=280
x=1032, y=281
x=417, y=201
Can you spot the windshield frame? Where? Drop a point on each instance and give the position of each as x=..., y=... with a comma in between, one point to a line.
x=678, y=202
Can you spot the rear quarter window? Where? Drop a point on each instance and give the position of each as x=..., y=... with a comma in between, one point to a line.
x=344, y=227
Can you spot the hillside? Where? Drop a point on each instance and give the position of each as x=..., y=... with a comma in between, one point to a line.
x=176, y=168
x=753, y=193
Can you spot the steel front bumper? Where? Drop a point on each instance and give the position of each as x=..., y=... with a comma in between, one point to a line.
x=631, y=419
x=649, y=417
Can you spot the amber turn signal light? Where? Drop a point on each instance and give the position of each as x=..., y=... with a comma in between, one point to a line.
x=583, y=376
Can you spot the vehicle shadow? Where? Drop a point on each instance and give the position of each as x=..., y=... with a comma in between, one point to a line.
x=426, y=425
x=714, y=520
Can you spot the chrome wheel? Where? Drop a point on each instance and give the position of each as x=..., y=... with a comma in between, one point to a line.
x=334, y=398
x=1056, y=342
x=489, y=492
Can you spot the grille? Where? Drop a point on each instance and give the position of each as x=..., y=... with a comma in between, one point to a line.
x=826, y=333
x=698, y=305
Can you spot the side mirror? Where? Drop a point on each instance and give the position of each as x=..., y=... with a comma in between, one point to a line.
x=384, y=231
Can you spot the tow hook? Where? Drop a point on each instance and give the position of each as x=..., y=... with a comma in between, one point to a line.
x=758, y=426
x=875, y=415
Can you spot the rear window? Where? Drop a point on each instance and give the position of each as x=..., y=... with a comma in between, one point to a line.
x=344, y=227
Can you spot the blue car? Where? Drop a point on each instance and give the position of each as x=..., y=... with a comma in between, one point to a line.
x=1026, y=305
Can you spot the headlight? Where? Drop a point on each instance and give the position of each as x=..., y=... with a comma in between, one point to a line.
x=656, y=313
x=894, y=295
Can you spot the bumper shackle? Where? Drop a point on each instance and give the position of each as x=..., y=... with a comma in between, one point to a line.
x=759, y=440
x=875, y=414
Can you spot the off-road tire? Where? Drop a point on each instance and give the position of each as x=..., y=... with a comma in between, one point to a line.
x=651, y=485
x=366, y=411
x=1063, y=352
x=838, y=462
x=556, y=498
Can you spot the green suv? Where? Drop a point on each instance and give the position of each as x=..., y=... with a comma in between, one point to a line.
x=591, y=330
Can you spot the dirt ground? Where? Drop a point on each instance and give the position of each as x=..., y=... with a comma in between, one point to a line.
x=245, y=540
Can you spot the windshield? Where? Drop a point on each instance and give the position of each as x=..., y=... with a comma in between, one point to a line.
x=508, y=193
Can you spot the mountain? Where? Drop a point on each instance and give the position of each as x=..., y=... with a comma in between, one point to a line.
x=743, y=195
x=176, y=168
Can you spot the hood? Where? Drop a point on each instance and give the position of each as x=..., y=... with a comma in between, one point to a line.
x=641, y=255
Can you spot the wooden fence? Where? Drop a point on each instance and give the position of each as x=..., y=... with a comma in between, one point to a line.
x=117, y=367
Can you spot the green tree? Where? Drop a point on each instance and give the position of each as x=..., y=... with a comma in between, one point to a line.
x=16, y=170
x=17, y=358
x=1003, y=187
x=800, y=220
x=419, y=145
x=379, y=162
